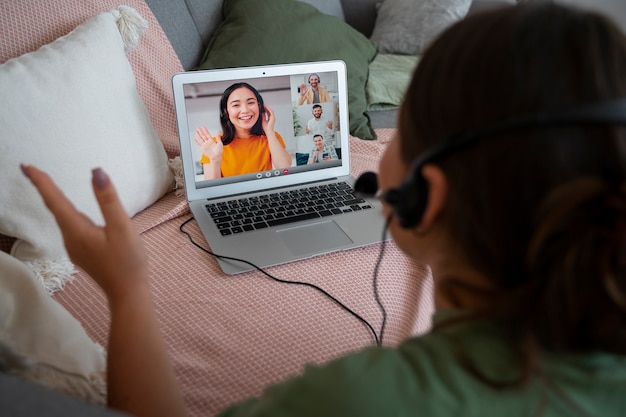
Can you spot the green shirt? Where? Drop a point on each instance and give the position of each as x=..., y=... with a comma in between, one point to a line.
x=424, y=376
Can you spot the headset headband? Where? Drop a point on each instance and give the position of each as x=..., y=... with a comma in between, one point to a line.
x=409, y=198
x=608, y=112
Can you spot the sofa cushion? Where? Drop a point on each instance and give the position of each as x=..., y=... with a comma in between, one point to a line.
x=329, y=7
x=69, y=107
x=188, y=25
x=408, y=26
x=293, y=31
x=29, y=25
x=389, y=78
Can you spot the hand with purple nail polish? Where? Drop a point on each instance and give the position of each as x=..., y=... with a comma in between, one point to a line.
x=140, y=378
x=113, y=254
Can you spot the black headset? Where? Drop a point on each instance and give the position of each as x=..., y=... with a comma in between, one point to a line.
x=312, y=74
x=408, y=200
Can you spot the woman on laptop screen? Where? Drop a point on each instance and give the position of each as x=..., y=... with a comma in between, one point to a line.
x=248, y=143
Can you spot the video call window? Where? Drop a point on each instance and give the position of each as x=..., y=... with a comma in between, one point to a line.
x=245, y=129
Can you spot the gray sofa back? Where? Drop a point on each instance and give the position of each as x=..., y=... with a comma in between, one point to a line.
x=189, y=24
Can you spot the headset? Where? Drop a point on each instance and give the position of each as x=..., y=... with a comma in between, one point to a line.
x=408, y=199
x=319, y=80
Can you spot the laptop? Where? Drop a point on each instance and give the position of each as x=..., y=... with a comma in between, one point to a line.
x=274, y=197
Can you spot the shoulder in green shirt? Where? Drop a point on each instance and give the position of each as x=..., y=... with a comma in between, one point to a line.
x=424, y=376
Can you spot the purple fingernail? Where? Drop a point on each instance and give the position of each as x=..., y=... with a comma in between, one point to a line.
x=99, y=178
x=24, y=169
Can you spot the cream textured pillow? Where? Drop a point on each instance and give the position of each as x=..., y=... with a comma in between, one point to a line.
x=408, y=26
x=67, y=108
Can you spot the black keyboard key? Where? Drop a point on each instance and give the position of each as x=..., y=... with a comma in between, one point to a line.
x=353, y=201
x=287, y=220
x=223, y=219
x=216, y=214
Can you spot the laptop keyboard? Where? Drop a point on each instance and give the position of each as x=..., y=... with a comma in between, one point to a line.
x=284, y=207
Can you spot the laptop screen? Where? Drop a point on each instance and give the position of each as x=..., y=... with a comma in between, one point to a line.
x=255, y=128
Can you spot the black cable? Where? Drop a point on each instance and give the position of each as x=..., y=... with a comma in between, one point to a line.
x=377, y=338
x=383, y=243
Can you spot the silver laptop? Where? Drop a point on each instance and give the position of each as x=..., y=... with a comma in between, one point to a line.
x=271, y=198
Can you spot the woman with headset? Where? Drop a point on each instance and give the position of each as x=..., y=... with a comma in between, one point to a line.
x=314, y=94
x=248, y=143
x=508, y=178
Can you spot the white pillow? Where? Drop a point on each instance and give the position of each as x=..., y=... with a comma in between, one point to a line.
x=407, y=27
x=67, y=108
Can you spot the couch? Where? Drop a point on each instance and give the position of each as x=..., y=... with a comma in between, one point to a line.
x=228, y=336
x=190, y=25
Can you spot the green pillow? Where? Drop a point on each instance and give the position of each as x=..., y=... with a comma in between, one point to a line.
x=255, y=32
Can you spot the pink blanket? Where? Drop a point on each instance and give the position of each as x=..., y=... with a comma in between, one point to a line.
x=230, y=336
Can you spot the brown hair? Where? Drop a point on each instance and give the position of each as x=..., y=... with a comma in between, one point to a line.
x=228, y=129
x=540, y=212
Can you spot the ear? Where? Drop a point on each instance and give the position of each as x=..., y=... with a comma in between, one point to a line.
x=437, y=194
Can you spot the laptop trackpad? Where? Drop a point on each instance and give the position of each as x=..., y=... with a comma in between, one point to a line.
x=314, y=238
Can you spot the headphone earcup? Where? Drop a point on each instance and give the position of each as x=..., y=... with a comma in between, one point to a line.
x=408, y=200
